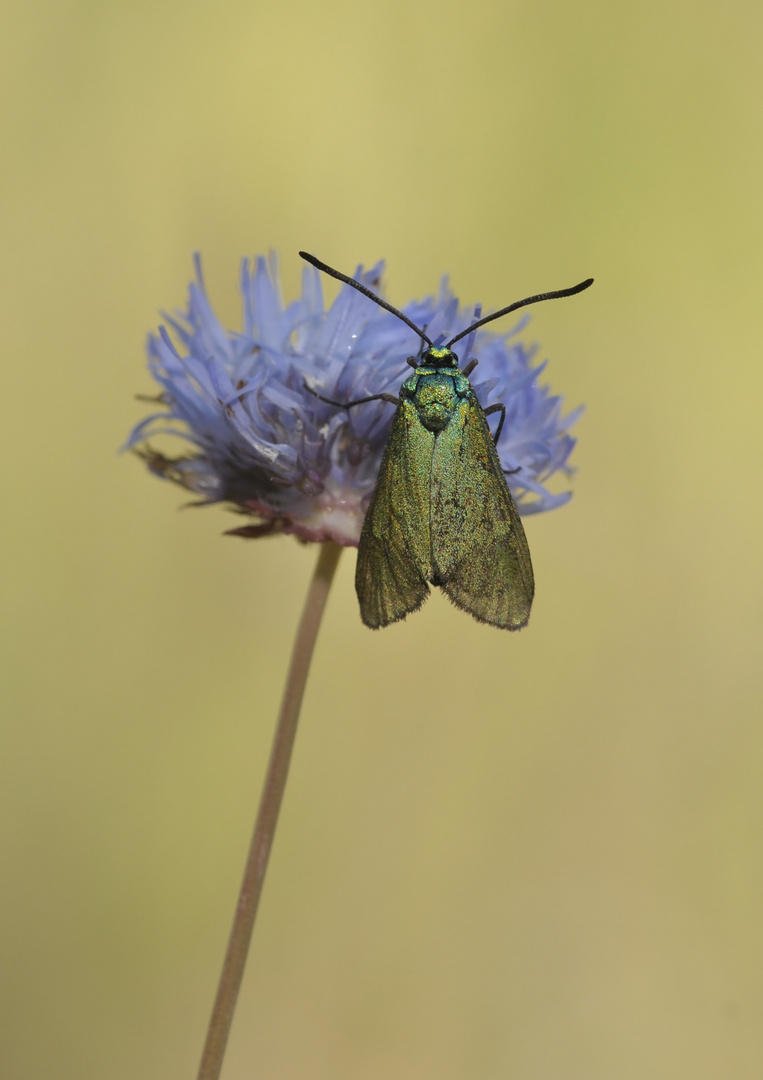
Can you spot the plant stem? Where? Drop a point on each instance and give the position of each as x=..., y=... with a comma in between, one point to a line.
x=267, y=816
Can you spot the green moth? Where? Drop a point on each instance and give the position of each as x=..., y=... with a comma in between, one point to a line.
x=441, y=512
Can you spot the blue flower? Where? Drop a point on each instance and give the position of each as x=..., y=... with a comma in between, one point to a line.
x=263, y=442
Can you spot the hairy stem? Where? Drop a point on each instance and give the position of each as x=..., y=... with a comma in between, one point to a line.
x=267, y=816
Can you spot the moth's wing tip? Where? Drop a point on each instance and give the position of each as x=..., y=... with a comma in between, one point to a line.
x=482, y=614
x=376, y=619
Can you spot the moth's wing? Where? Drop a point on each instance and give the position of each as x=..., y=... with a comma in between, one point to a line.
x=480, y=553
x=394, y=554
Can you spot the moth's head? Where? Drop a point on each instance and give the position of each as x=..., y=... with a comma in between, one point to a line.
x=439, y=357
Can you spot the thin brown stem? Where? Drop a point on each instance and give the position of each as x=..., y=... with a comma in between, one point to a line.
x=267, y=816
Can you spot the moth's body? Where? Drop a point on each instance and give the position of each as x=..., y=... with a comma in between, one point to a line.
x=435, y=393
x=441, y=512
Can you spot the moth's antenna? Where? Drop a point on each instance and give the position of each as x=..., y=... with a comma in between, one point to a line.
x=522, y=303
x=367, y=292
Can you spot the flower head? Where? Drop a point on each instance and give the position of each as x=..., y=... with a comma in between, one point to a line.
x=262, y=439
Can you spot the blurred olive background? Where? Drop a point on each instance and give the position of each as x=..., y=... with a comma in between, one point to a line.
x=532, y=856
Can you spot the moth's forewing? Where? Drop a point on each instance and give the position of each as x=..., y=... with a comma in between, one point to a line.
x=480, y=554
x=394, y=553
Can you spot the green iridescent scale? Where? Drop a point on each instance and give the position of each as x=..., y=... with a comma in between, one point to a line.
x=442, y=513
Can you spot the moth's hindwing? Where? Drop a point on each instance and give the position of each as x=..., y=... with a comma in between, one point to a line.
x=394, y=553
x=479, y=551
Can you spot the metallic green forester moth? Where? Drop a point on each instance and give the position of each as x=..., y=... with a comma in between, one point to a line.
x=441, y=512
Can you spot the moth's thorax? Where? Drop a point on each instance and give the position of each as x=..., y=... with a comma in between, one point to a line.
x=436, y=392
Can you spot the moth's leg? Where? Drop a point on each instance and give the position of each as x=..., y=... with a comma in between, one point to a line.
x=511, y=472
x=501, y=408
x=413, y=361
x=374, y=397
x=470, y=367
x=349, y=404
x=423, y=343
